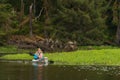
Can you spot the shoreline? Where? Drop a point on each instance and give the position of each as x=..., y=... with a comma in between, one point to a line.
x=80, y=57
x=54, y=62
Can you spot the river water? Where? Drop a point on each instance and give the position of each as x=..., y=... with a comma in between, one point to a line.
x=32, y=71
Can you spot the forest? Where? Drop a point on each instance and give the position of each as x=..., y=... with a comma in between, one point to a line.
x=56, y=25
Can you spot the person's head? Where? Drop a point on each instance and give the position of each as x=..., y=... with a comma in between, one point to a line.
x=39, y=50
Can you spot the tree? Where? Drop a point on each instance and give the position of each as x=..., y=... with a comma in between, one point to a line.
x=5, y=17
x=117, y=6
x=47, y=18
x=31, y=30
x=21, y=13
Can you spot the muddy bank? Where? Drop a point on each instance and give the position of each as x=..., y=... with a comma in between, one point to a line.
x=47, y=44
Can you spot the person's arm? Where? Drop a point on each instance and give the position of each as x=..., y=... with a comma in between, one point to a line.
x=41, y=55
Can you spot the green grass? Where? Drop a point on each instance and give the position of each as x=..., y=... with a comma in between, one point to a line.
x=17, y=57
x=88, y=57
x=11, y=49
x=8, y=49
x=97, y=47
x=80, y=57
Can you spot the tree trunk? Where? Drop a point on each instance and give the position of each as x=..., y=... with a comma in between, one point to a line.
x=34, y=7
x=118, y=28
x=30, y=11
x=22, y=8
x=46, y=6
x=47, y=20
x=22, y=12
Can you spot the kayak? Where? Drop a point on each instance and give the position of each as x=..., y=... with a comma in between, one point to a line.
x=45, y=60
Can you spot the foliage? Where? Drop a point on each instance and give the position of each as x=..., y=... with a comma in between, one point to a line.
x=7, y=18
x=80, y=57
x=80, y=20
x=11, y=49
x=4, y=12
x=89, y=22
x=3, y=1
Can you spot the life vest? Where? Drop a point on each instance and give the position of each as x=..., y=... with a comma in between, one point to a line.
x=35, y=57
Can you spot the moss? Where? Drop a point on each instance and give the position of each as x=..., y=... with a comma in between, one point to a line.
x=17, y=57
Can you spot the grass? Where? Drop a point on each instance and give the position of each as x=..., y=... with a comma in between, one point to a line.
x=8, y=49
x=80, y=57
x=11, y=49
x=97, y=47
x=17, y=57
x=88, y=57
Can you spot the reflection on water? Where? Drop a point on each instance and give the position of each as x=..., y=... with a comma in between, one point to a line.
x=34, y=71
x=37, y=71
x=83, y=73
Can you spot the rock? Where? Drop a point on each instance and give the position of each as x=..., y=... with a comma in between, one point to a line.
x=70, y=46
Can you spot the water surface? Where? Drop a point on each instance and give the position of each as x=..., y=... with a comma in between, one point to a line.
x=31, y=71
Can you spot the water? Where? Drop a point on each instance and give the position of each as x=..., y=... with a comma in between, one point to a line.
x=30, y=71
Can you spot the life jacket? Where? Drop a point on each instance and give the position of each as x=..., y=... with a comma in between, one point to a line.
x=35, y=57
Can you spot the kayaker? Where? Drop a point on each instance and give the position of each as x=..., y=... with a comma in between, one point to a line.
x=39, y=54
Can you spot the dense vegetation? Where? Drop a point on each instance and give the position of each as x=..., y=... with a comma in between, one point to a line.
x=87, y=57
x=88, y=22
x=80, y=57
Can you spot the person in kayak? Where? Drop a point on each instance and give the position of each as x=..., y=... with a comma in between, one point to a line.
x=39, y=54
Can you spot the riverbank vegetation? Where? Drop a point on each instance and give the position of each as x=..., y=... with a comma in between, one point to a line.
x=80, y=57
x=12, y=49
x=61, y=26
x=17, y=57
x=88, y=57
x=84, y=22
